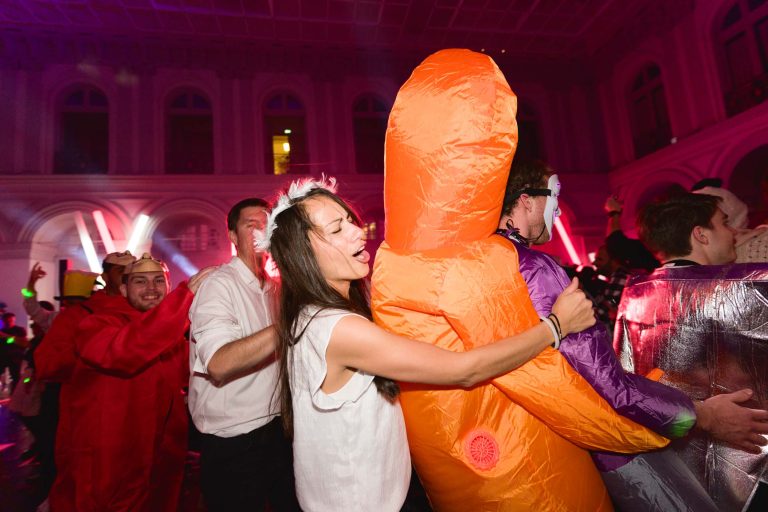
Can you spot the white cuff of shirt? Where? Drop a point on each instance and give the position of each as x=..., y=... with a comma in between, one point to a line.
x=205, y=350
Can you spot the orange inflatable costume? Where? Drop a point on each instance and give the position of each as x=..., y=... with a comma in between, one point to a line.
x=518, y=442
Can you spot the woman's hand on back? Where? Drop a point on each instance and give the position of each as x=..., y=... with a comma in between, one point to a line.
x=573, y=309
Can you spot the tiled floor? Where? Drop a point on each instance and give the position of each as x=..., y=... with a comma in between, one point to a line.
x=20, y=490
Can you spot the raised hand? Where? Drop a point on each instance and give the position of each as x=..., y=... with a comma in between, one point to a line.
x=612, y=204
x=35, y=275
x=196, y=280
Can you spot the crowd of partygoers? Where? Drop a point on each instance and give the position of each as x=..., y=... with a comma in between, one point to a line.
x=466, y=370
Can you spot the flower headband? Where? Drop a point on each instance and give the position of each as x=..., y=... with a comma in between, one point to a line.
x=296, y=192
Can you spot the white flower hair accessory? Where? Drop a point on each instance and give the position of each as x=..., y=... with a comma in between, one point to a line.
x=296, y=192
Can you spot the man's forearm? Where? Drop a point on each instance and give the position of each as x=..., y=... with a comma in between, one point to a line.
x=36, y=313
x=242, y=355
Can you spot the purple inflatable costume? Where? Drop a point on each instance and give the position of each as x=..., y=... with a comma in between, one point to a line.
x=649, y=481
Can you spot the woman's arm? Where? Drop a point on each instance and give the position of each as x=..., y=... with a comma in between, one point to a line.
x=360, y=344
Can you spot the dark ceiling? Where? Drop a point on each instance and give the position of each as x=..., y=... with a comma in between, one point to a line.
x=563, y=28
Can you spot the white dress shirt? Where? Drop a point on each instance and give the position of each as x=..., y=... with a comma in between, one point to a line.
x=230, y=305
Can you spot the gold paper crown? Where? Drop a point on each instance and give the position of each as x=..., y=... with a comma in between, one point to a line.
x=77, y=284
x=119, y=258
x=145, y=264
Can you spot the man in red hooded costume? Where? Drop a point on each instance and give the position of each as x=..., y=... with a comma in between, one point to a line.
x=128, y=424
x=55, y=357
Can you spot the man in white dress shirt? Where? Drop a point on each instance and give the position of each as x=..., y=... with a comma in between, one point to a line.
x=245, y=461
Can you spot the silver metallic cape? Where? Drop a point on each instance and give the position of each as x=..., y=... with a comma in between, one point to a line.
x=707, y=328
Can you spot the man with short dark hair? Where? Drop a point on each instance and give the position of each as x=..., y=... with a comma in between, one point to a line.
x=689, y=229
x=12, y=333
x=245, y=459
x=701, y=320
x=127, y=431
x=236, y=215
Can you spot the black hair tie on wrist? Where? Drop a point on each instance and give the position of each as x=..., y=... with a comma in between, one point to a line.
x=556, y=321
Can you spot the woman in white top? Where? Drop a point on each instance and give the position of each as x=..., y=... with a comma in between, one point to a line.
x=337, y=390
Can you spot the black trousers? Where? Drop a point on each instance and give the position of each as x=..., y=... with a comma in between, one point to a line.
x=248, y=471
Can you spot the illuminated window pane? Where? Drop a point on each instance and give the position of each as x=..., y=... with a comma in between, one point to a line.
x=369, y=231
x=281, y=154
x=285, y=131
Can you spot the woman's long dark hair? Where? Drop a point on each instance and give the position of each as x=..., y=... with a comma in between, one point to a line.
x=303, y=285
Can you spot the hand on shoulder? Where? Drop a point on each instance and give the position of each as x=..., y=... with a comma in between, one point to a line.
x=196, y=280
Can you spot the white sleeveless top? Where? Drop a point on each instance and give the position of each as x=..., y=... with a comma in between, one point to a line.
x=350, y=450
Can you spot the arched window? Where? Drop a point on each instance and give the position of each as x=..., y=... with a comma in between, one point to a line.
x=742, y=37
x=528, y=140
x=369, y=117
x=189, y=134
x=286, y=134
x=749, y=181
x=651, y=129
x=82, y=140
